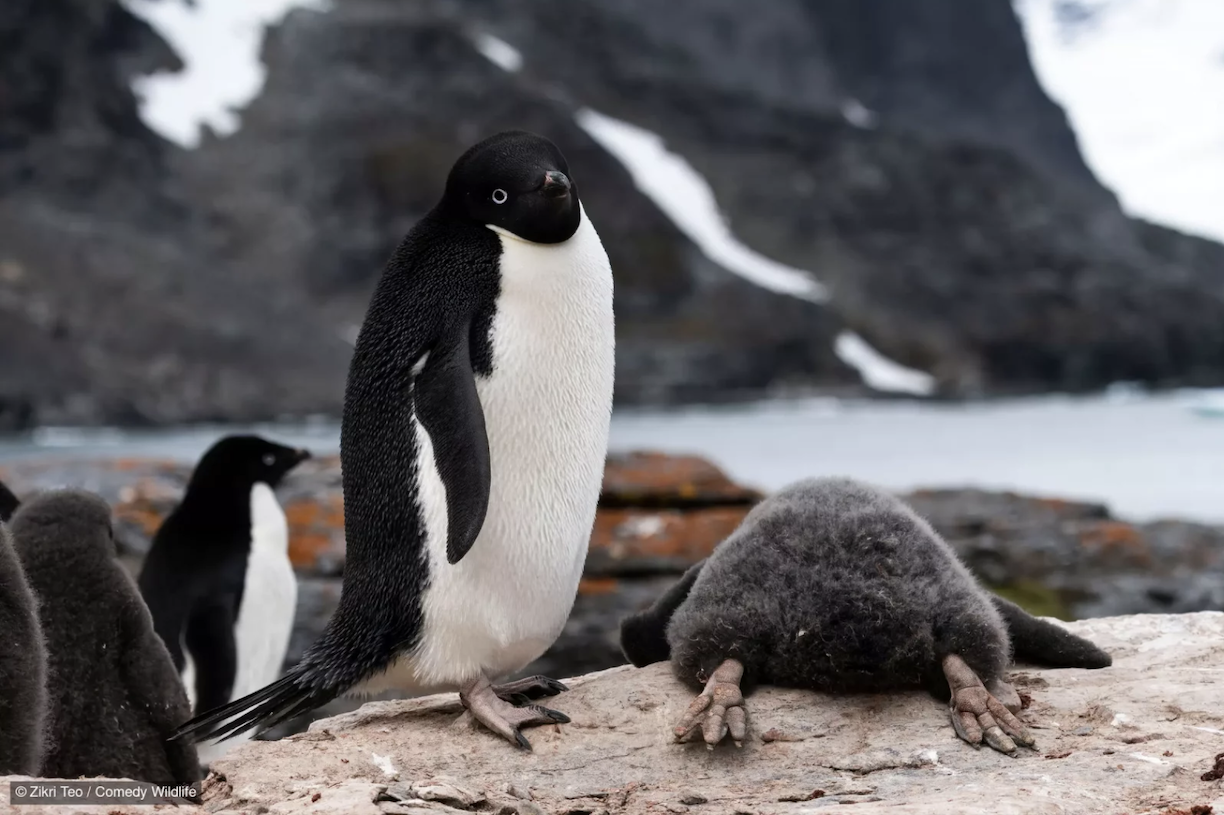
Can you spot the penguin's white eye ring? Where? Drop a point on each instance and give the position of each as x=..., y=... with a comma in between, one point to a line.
x=269, y=459
x=499, y=196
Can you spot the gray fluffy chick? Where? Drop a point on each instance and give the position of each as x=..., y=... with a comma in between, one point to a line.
x=838, y=586
x=23, y=668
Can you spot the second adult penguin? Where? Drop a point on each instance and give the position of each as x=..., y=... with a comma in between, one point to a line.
x=217, y=578
x=473, y=441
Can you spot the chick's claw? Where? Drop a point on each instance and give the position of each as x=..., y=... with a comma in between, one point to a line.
x=717, y=710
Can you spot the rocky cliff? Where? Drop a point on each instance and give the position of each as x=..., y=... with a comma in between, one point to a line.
x=1141, y=737
x=113, y=308
x=903, y=153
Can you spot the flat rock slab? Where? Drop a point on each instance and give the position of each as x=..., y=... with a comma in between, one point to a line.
x=1134, y=738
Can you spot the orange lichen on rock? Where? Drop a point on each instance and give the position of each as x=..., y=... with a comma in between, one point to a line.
x=1117, y=539
x=651, y=477
x=144, y=515
x=1057, y=504
x=598, y=585
x=153, y=464
x=624, y=536
x=316, y=531
x=145, y=504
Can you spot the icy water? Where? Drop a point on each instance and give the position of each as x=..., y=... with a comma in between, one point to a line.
x=1145, y=456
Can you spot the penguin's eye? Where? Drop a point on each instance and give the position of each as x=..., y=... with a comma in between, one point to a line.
x=269, y=459
x=499, y=196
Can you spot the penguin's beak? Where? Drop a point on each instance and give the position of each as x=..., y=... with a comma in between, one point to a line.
x=556, y=185
x=302, y=455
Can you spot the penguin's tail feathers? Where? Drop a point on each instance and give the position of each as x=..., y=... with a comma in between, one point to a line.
x=1039, y=642
x=289, y=696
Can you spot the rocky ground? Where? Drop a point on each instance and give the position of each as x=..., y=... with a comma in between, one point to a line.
x=952, y=219
x=1142, y=737
x=659, y=514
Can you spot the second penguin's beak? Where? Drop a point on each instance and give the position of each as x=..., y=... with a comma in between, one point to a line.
x=556, y=185
x=302, y=455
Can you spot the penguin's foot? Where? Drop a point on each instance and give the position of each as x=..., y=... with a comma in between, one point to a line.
x=977, y=714
x=1005, y=693
x=521, y=691
x=717, y=710
x=481, y=699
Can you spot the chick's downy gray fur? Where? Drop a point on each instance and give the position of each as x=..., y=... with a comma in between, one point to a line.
x=23, y=668
x=837, y=586
x=112, y=692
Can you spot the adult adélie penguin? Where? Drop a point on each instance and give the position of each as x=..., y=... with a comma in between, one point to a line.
x=473, y=440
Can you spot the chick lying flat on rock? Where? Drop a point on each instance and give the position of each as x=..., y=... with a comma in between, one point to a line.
x=839, y=587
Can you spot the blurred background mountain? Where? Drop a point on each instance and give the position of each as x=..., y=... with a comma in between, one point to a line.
x=945, y=198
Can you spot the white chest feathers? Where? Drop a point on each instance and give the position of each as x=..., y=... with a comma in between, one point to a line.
x=269, y=596
x=547, y=408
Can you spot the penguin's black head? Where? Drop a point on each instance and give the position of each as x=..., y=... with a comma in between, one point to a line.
x=516, y=182
x=247, y=460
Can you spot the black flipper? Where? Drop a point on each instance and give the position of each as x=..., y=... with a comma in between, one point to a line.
x=644, y=635
x=210, y=631
x=8, y=503
x=448, y=407
x=1038, y=642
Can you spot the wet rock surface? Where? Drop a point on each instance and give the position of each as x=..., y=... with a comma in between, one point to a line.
x=1135, y=738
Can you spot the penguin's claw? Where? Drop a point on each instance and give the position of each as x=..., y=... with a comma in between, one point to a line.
x=718, y=710
x=979, y=716
x=503, y=717
x=531, y=687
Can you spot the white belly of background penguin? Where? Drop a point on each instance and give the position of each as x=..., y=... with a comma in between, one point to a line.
x=473, y=443
x=269, y=597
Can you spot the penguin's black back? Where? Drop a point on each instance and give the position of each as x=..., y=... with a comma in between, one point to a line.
x=836, y=586
x=113, y=694
x=23, y=668
x=194, y=560
x=193, y=577
x=443, y=278
x=441, y=282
